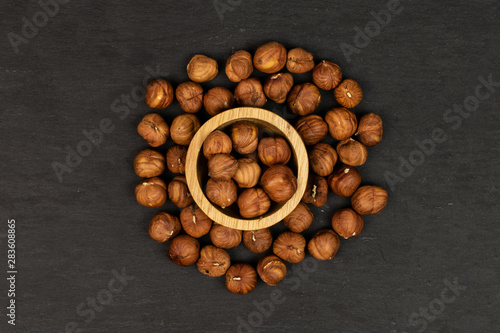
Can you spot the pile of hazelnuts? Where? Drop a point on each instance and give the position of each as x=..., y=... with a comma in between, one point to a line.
x=237, y=158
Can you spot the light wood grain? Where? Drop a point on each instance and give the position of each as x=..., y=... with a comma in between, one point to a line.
x=195, y=170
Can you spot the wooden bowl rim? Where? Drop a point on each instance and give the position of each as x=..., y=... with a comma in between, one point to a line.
x=226, y=118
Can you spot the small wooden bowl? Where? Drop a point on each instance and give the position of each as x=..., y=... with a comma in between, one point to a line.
x=196, y=168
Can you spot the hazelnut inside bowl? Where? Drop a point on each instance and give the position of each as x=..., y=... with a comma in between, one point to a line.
x=197, y=168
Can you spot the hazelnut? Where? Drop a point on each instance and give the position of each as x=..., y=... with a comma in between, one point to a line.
x=149, y=163
x=270, y=57
x=348, y=93
x=327, y=75
x=342, y=123
x=221, y=192
x=195, y=222
x=279, y=182
x=312, y=129
x=248, y=173
x=153, y=129
x=151, y=192
x=273, y=151
x=369, y=200
x=352, y=152
x=213, y=261
x=300, y=219
x=190, y=96
x=184, y=250
x=222, y=166
x=245, y=137
x=271, y=270
x=217, y=142
x=347, y=223
x=258, y=241
x=241, y=279
x=176, y=159
x=159, y=94
x=316, y=190
x=183, y=128
x=253, y=202
x=277, y=86
x=218, y=99
x=322, y=159
x=164, y=226
x=303, y=99
x=239, y=66
x=344, y=181
x=249, y=93
x=225, y=237
x=178, y=192
x=299, y=61
x=324, y=245
x=202, y=68
x=290, y=246
x=370, y=129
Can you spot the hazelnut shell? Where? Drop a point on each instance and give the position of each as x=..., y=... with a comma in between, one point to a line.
x=312, y=129
x=300, y=219
x=271, y=270
x=213, y=261
x=253, y=202
x=164, y=226
x=270, y=57
x=149, y=163
x=327, y=75
x=183, y=128
x=258, y=241
x=290, y=246
x=195, y=222
x=190, y=96
x=347, y=223
x=279, y=183
x=348, y=93
x=202, y=68
x=344, y=181
x=184, y=250
x=369, y=200
x=352, y=152
x=303, y=99
x=159, y=94
x=324, y=245
x=239, y=66
x=153, y=129
x=241, y=279
x=370, y=130
x=342, y=123
x=277, y=86
x=151, y=192
x=225, y=237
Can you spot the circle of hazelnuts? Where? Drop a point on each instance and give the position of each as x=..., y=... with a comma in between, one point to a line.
x=248, y=170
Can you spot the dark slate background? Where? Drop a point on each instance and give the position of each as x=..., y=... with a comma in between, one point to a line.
x=440, y=226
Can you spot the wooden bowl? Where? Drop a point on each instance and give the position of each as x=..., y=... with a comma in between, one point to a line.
x=196, y=167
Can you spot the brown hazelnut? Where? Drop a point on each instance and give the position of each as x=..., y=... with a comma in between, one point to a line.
x=213, y=261
x=279, y=182
x=258, y=241
x=344, y=181
x=225, y=237
x=245, y=137
x=248, y=173
x=202, y=68
x=312, y=129
x=194, y=222
x=253, y=202
x=342, y=123
x=270, y=57
x=178, y=192
x=370, y=129
x=217, y=142
x=271, y=270
x=176, y=159
x=241, y=279
x=218, y=99
x=190, y=96
x=164, y=226
x=239, y=66
x=153, y=129
x=299, y=61
x=221, y=192
x=249, y=93
x=327, y=75
x=303, y=99
x=149, y=163
x=347, y=223
x=316, y=190
x=277, y=86
x=184, y=250
x=290, y=246
x=299, y=219
x=324, y=245
x=352, y=152
x=151, y=192
x=348, y=93
x=183, y=128
x=222, y=166
x=369, y=200
x=322, y=159
x=274, y=151
x=159, y=94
